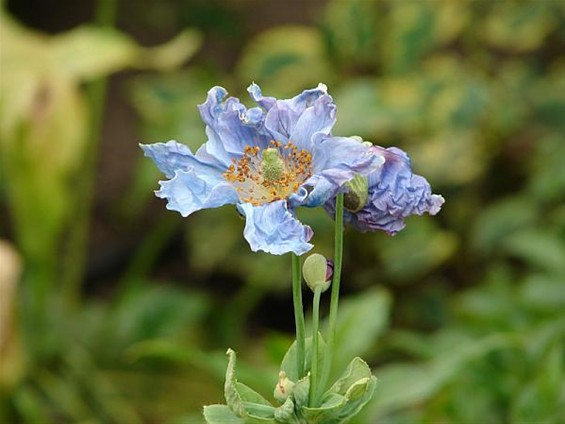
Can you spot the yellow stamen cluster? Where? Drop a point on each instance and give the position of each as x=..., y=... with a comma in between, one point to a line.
x=246, y=174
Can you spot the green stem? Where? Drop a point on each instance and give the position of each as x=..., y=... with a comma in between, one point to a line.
x=338, y=259
x=298, y=314
x=313, y=398
x=104, y=16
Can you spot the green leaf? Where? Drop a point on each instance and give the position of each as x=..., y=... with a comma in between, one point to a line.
x=220, y=414
x=353, y=28
x=171, y=54
x=285, y=413
x=87, y=52
x=247, y=394
x=356, y=371
x=501, y=220
x=349, y=394
x=243, y=401
x=301, y=392
x=540, y=248
x=518, y=27
x=361, y=320
x=231, y=394
x=419, y=250
x=289, y=362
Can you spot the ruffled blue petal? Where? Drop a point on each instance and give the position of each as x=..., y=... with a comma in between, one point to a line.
x=300, y=118
x=199, y=187
x=169, y=157
x=255, y=93
x=230, y=126
x=394, y=193
x=272, y=228
x=336, y=160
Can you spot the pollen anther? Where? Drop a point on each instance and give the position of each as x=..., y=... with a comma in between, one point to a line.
x=253, y=177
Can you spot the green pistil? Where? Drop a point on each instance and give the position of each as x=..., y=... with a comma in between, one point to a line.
x=272, y=165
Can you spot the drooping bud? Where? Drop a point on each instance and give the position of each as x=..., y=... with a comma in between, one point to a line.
x=284, y=388
x=356, y=194
x=315, y=271
x=272, y=165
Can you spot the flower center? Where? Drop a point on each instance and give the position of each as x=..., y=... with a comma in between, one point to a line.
x=274, y=173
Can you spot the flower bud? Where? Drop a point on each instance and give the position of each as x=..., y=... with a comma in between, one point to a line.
x=356, y=194
x=284, y=388
x=315, y=270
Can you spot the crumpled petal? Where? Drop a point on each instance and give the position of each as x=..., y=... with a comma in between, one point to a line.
x=300, y=118
x=336, y=160
x=265, y=102
x=394, y=193
x=272, y=228
x=230, y=126
x=194, y=184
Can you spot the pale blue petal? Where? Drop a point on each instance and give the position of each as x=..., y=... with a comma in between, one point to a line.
x=196, y=188
x=272, y=228
x=230, y=126
x=265, y=102
x=336, y=160
x=300, y=118
x=169, y=157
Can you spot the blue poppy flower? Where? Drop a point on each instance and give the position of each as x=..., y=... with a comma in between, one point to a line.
x=392, y=193
x=267, y=160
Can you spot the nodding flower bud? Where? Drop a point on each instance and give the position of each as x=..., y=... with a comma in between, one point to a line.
x=356, y=194
x=284, y=388
x=317, y=272
x=272, y=165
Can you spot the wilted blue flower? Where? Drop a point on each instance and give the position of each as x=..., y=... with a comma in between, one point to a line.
x=267, y=160
x=394, y=193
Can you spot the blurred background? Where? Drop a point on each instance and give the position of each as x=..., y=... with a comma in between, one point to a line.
x=115, y=310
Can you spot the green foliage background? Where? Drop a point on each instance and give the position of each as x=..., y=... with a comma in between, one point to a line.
x=461, y=316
